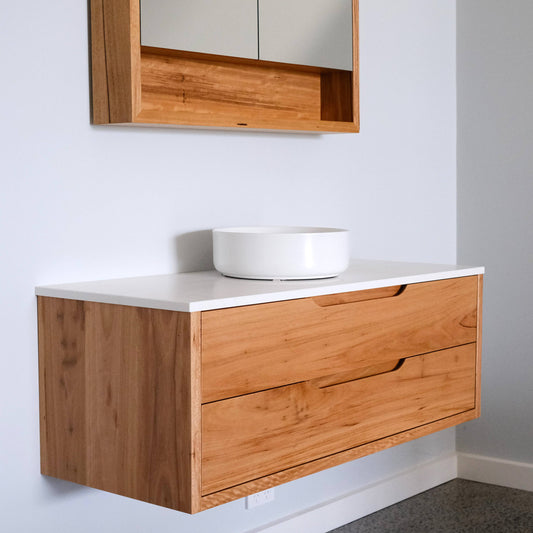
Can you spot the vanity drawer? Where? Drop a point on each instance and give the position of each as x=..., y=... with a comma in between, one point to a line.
x=258, y=347
x=255, y=435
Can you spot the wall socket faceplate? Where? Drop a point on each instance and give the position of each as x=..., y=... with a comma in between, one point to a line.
x=260, y=498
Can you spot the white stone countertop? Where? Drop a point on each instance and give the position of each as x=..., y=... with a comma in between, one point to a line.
x=202, y=291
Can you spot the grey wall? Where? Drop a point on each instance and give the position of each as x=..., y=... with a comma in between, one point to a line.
x=495, y=213
x=79, y=202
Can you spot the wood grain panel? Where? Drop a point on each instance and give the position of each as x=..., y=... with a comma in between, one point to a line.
x=138, y=405
x=115, y=60
x=266, y=482
x=257, y=347
x=337, y=96
x=62, y=387
x=204, y=90
x=185, y=88
x=259, y=434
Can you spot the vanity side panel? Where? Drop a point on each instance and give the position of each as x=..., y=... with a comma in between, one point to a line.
x=62, y=384
x=138, y=406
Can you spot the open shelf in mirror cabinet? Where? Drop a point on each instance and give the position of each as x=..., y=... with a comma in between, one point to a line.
x=135, y=84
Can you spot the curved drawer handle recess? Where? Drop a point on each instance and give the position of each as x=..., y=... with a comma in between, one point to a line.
x=358, y=374
x=342, y=298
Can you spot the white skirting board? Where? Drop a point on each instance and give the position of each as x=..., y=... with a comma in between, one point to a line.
x=495, y=471
x=335, y=513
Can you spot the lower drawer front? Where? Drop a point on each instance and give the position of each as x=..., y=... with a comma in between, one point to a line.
x=251, y=436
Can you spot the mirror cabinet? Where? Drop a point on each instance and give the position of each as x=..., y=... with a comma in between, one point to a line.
x=244, y=64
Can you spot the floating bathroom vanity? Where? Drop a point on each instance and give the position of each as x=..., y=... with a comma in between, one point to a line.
x=192, y=390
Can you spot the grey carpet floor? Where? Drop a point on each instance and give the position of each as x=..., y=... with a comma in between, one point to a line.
x=458, y=506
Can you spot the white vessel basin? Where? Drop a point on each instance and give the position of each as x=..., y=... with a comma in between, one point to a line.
x=280, y=252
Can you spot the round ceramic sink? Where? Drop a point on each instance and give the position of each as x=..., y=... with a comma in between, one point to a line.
x=280, y=252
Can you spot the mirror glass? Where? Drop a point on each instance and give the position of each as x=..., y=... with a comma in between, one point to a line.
x=302, y=32
x=222, y=27
x=306, y=32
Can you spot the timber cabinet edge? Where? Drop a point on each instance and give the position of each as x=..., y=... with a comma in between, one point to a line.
x=119, y=400
x=138, y=85
x=123, y=406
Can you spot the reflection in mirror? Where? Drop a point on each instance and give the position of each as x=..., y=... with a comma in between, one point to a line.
x=307, y=32
x=222, y=27
x=302, y=32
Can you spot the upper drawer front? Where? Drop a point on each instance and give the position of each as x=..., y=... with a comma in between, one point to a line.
x=257, y=347
x=251, y=436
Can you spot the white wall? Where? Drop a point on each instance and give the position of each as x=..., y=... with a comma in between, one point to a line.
x=495, y=214
x=79, y=202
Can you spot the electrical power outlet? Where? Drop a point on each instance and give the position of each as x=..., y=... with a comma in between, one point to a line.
x=260, y=498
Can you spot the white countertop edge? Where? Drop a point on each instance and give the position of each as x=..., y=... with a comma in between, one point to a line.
x=115, y=299
x=58, y=291
x=322, y=291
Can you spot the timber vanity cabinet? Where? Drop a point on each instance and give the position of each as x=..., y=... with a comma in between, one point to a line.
x=192, y=390
x=243, y=64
